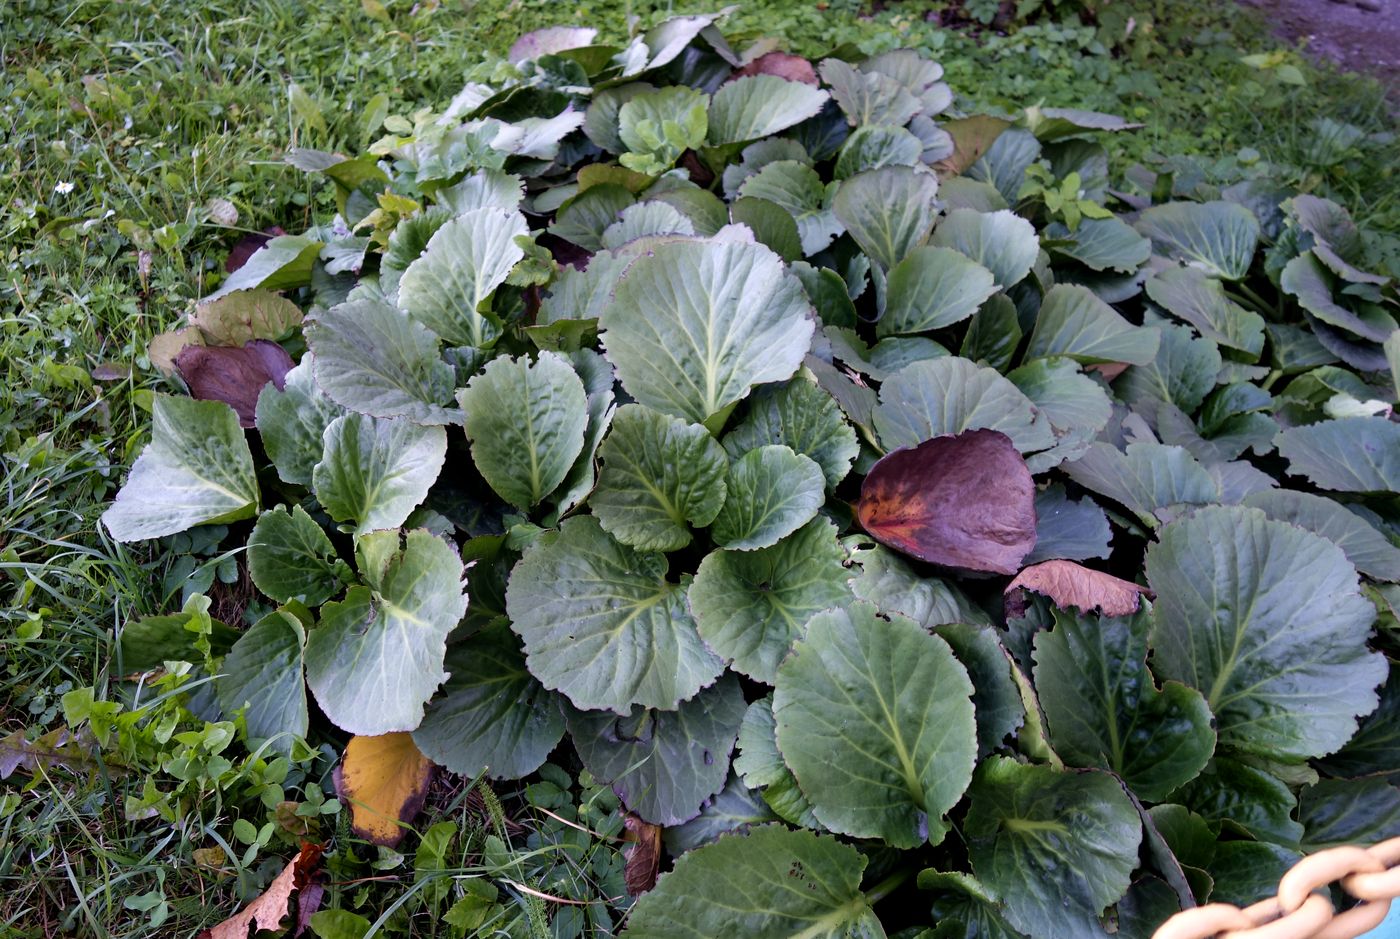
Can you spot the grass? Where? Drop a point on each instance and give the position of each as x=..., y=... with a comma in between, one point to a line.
x=127, y=118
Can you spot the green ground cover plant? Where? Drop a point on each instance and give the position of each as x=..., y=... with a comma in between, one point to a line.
x=176, y=770
x=694, y=306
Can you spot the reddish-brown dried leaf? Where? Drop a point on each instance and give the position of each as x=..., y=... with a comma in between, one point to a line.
x=269, y=910
x=644, y=857
x=1069, y=584
x=783, y=64
x=964, y=501
x=234, y=375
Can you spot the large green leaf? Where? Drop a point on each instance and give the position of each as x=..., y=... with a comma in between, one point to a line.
x=376, y=657
x=1069, y=529
x=1354, y=454
x=262, y=673
x=932, y=288
x=875, y=718
x=291, y=558
x=1002, y=242
x=793, y=185
x=372, y=359
x=1310, y=283
x=1076, y=406
x=1217, y=237
x=597, y=377
x=1270, y=625
x=1055, y=847
x=889, y=211
x=1182, y=373
x=759, y=106
x=770, y=883
x=1005, y=163
x=762, y=766
x=1375, y=749
x=736, y=808
x=196, y=470
x=771, y=225
x=875, y=145
x=603, y=625
x=1073, y=322
x=1336, y=812
x=694, y=325
x=770, y=493
x=1194, y=296
x=663, y=764
x=995, y=695
x=1146, y=477
x=800, y=415
x=752, y=605
x=1250, y=799
x=949, y=395
x=659, y=476
x=465, y=261
x=1363, y=545
x=282, y=262
x=293, y=421
x=1102, y=244
x=492, y=717
x=375, y=471
x=526, y=423
x=869, y=97
x=1105, y=711
x=644, y=220
x=886, y=579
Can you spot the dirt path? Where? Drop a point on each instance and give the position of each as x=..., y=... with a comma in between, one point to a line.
x=1359, y=35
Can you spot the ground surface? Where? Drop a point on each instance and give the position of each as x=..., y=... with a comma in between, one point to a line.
x=1360, y=36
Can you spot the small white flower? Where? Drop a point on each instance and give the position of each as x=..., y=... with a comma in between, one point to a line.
x=63, y=188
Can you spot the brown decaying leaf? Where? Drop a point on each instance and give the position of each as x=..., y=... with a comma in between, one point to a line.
x=963, y=501
x=234, y=375
x=782, y=64
x=269, y=910
x=972, y=137
x=1070, y=584
x=643, y=857
x=385, y=780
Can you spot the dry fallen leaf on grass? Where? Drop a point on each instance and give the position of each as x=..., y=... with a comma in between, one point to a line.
x=293, y=885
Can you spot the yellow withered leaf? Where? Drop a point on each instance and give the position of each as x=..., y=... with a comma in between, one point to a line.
x=384, y=780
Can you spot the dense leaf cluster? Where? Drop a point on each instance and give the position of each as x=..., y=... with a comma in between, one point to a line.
x=594, y=374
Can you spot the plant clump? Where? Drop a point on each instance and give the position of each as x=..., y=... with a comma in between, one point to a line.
x=686, y=409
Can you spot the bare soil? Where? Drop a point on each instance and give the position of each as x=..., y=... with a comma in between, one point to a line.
x=1359, y=35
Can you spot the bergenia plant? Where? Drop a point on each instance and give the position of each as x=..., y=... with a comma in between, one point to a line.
x=930, y=536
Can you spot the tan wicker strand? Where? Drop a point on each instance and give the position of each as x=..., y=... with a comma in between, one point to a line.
x=1302, y=909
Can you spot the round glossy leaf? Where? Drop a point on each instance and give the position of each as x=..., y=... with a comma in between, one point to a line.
x=1354, y=454
x=1270, y=625
x=875, y=718
x=1217, y=237
x=752, y=605
x=803, y=417
x=932, y=288
x=196, y=470
x=659, y=475
x=291, y=558
x=759, y=106
x=376, y=657
x=775, y=884
x=694, y=325
x=601, y=623
x=492, y=717
x=1055, y=847
x=889, y=211
x=293, y=421
x=262, y=676
x=1074, y=323
x=948, y=395
x=663, y=764
x=526, y=423
x=770, y=493
x=1002, y=242
x=375, y=471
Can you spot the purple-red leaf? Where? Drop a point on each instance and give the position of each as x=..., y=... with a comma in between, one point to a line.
x=232, y=374
x=963, y=501
x=782, y=64
x=1068, y=584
